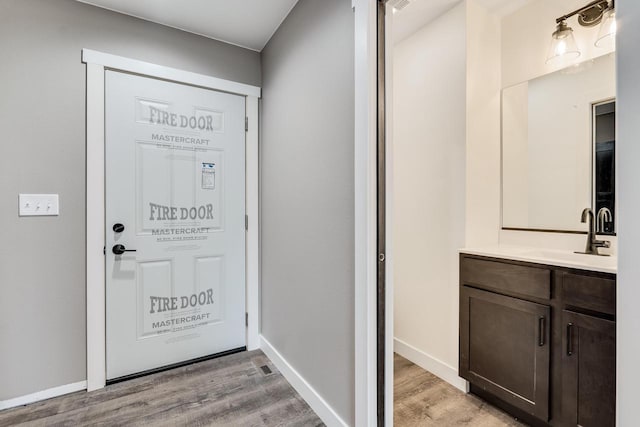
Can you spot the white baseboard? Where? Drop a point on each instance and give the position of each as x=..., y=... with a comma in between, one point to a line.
x=42, y=395
x=315, y=401
x=430, y=363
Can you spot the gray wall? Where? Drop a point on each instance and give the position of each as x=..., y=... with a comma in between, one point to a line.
x=42, y=113
x=307, y=197
x=628, y=160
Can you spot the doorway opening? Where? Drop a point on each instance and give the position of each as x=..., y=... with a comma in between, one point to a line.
x=469, y=168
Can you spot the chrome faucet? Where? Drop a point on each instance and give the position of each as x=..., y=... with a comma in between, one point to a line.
x=592, y=243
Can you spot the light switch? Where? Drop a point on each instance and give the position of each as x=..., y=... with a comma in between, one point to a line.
x=38, y=204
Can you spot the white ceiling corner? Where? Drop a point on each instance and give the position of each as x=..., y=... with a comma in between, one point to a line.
x=246, y=23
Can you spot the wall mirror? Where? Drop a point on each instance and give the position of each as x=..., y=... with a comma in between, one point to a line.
x=558, y=149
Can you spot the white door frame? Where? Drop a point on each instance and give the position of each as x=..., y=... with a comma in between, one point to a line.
x=366, y=256
x=389, y=217
x=97, y=63
x=365, y=169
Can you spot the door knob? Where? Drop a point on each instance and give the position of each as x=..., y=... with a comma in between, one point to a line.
x=120, y=249
x=118, y=228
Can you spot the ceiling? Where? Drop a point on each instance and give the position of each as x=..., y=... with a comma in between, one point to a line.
x=420, y=12
x=246, y=23
x=503, y=7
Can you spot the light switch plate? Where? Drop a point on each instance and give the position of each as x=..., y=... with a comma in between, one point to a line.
x=38, y=205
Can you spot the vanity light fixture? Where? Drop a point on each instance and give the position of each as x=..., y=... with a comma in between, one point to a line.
x=563, y=43
x=608, y=27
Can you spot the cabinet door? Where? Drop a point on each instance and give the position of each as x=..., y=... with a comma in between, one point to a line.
x=504, y=348
x=588, y=370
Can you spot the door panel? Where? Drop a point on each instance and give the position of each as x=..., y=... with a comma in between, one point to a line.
x=153, y=278
x=589, y=370
x=504, y=348
x=175, y=178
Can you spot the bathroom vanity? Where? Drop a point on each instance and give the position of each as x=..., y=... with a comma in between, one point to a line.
x=537, y=326
x=538, y=334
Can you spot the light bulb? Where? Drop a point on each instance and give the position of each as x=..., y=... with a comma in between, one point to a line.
x=563, y=44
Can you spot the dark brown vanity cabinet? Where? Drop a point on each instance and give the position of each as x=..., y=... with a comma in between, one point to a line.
x=589, y=370
x=506, y=350
x=539, y=340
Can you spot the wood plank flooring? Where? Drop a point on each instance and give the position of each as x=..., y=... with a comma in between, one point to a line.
x=234, y=391
x=228, y=391
x=422, y=399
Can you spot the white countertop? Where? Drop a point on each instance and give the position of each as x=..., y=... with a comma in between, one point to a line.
x=604, y=264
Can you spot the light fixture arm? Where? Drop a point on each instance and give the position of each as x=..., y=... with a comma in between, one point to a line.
x=591, y=14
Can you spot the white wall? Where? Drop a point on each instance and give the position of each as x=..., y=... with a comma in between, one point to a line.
x=515, y=155
x=628, y=161
x=446, y=174
x=483, y=127
x=429, y=189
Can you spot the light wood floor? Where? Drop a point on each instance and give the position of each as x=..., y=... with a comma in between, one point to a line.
x=229, y=391
x=234, y=391
x=422, y=399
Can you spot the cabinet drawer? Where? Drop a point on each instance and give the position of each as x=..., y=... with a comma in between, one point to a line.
x=591, y=293
x=510, y=278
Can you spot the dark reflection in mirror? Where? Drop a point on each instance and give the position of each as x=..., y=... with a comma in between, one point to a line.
x=604, y=166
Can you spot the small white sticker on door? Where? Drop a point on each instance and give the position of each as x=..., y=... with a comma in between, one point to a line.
x=208, y=176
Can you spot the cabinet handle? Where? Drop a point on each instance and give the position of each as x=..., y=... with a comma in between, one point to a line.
x=569, y=339
x=541, y=329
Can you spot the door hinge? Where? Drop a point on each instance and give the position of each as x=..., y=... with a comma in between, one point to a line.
x=246, y=124
x=246, y=319
x=246, y=222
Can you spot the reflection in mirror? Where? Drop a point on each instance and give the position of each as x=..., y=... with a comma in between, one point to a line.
x=555, y=131
x=604, y=119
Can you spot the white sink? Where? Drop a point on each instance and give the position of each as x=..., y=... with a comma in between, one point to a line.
x=606, y=264
x=562, y=255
